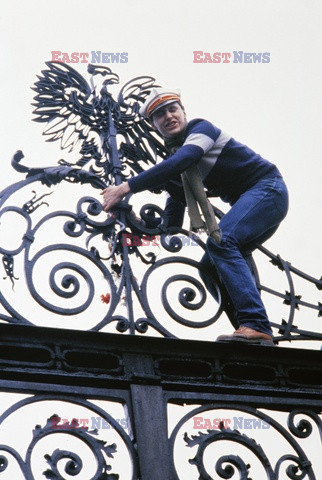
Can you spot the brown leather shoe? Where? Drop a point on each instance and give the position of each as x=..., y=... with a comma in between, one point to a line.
x=247, y=335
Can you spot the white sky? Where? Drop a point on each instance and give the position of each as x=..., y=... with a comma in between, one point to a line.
x=275, y=108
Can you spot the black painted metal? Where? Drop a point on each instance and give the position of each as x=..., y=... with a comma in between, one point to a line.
x=89, y=257
x=115, y=143
x=149, y=375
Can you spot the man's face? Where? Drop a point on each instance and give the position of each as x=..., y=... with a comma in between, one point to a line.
x=170, y=120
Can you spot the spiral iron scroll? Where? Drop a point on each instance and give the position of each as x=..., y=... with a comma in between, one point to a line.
x=295, y=465
x=61, y=461
x=84, y=273
x=114, y=262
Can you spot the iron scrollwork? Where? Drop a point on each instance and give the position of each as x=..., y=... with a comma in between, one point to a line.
x=54, y=435
x=95, y=262
x=295, y=465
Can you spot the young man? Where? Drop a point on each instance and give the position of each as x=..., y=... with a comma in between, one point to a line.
x=230, y=170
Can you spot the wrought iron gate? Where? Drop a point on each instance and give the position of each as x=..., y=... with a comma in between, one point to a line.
x=182, y=398
x=107, y=370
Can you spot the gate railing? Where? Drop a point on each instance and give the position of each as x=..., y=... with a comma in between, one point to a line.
x=87, y=385
x=108, y=406
x=74, y=266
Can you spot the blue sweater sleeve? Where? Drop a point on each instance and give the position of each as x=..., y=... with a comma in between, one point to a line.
x=167, y=170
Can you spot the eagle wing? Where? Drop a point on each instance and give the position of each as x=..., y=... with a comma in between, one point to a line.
x=64, y=102
x=141, y=145
x=74, y=112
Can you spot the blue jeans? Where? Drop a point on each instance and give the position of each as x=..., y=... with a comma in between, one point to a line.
x=251, y=220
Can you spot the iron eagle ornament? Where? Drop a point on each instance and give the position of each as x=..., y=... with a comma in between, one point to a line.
x=91, y=276
x=76, y=112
